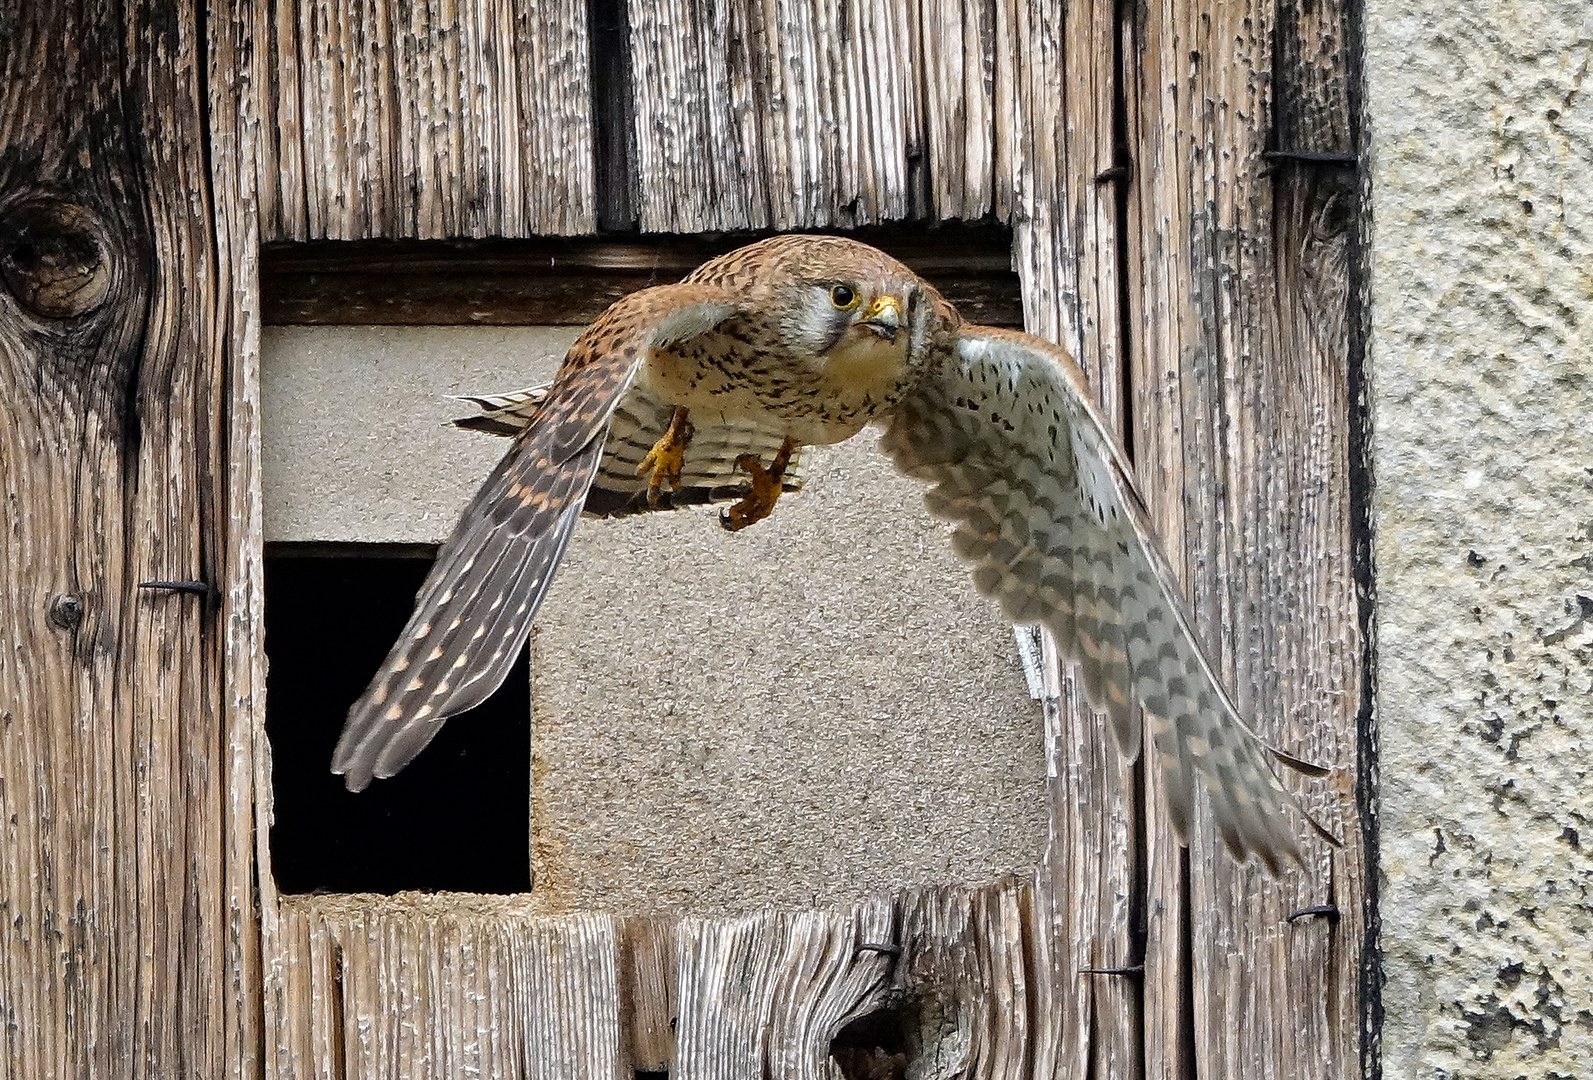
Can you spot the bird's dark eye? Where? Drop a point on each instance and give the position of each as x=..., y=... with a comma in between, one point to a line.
x=843, y=297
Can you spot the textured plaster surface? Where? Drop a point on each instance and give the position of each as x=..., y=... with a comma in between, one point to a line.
x=1481, y=123
x=356, y=445
x=808, y=710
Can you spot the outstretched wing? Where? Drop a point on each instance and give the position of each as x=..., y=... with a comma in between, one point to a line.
x=474, y=609
x=1047, y=514
x=708, y=474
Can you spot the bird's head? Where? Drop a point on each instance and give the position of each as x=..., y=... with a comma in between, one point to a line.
x=855, y=309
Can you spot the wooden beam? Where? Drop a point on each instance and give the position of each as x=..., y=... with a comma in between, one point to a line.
x=120, y=949
x=552, y=282
x=1068, y=104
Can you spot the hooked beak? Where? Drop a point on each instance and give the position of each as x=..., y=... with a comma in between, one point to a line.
x=885, y=317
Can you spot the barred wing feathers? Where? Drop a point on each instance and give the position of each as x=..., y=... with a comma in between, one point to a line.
x=474, y=610
x=1047, y=514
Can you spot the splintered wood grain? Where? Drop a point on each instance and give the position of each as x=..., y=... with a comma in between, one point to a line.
x=763, y=995
x=118, y=896
x=771, y=995
x=235, y=128
x=441, y=986
x=1089, y=895
x=419, y=120
x=969, y=965
x=955, y=41
x=1241, y=380
x=420, y=986
x=1062, y=150
x=793, y=114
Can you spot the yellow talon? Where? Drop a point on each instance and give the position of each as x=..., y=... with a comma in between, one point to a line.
x=663, y=464
x=765, y=488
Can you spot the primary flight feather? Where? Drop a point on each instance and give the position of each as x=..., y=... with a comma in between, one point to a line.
x=708, y=390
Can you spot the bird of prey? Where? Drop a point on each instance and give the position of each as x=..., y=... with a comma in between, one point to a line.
x=708, y=390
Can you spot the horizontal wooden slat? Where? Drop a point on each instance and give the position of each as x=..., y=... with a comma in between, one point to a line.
x=553, y=282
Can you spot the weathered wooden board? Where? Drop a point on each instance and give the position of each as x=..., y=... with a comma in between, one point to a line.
x=933, y=983
x=126, y=931
x=391, y=119
x=1066, y=212
x=445, y=985
x=235, y=134
x=1241, y=387
x=793, y=114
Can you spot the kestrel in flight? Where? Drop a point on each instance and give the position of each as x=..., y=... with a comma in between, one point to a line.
x=707, y=390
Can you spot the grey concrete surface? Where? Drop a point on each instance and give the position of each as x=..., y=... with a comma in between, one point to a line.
x=1481, y=124
x=808, y=710
x=355, y=444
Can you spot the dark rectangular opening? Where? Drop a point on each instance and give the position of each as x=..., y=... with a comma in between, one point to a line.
x=458, y=817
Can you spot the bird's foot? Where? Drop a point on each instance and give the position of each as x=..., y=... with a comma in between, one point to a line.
x=767, y=483
x=663, y=463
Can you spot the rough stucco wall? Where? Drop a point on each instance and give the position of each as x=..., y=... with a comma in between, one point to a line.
x=812, y=709
x=1481, y=120
x=356, y=446
x=807, y=711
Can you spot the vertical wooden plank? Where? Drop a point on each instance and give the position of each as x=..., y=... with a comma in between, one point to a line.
x=422, y=112
x=947, y=972
x=959, y=57
x=647, y=974
x=699, y=154
x=317, y=96
x=238, y=74
x=1066, y=228
x=273, y=39
x=556, y=151
x=1005, y=123
x=966, y=960
x=791, y=114
x=429, y=118
x=113, y=947
x=1088, y=894
x=440, y=986
x=1242, y=437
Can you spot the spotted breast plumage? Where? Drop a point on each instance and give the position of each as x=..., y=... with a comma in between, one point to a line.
x=709, y=390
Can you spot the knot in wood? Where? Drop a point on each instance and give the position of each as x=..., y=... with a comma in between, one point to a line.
x=66, y=612
x=53, y=258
